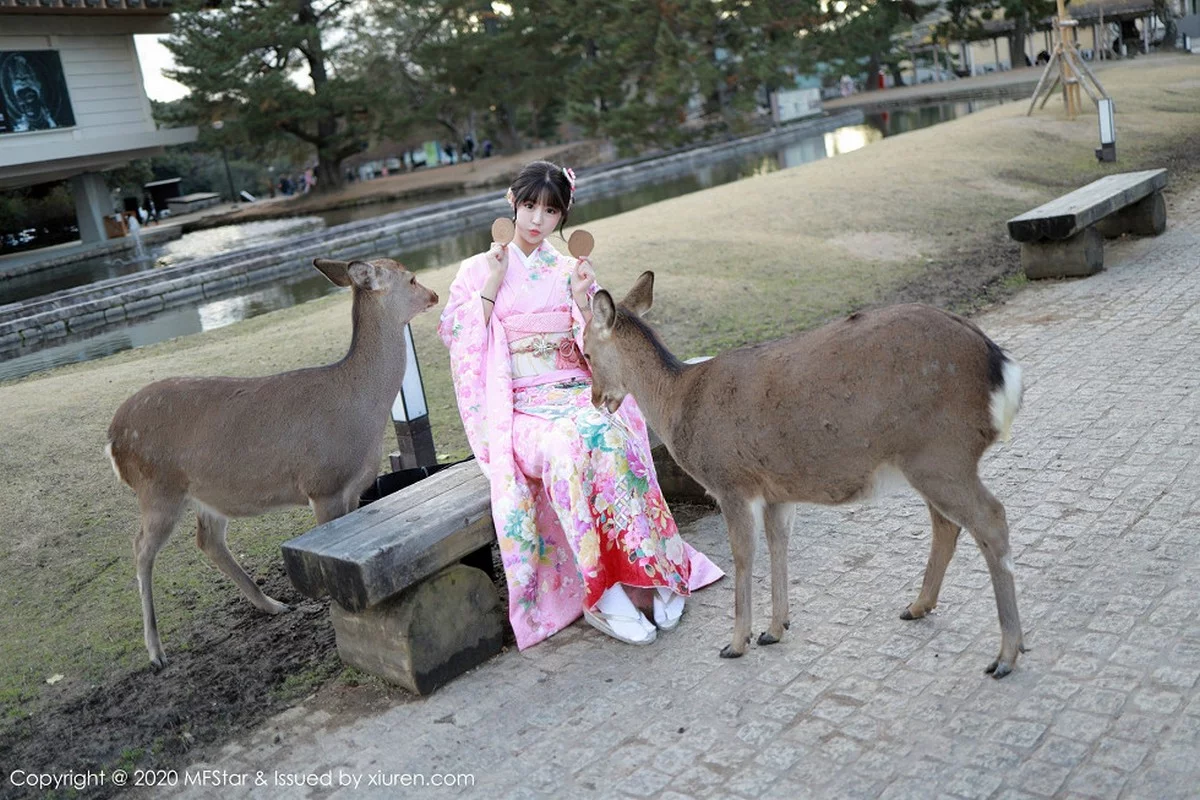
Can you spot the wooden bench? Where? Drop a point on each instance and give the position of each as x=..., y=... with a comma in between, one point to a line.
x=410, y=578
x=1065, y=237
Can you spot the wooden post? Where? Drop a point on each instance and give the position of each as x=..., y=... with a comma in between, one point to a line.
x=996, y=50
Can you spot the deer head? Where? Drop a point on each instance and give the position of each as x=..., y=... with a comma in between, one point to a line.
x=385, y=279
x=600, y=337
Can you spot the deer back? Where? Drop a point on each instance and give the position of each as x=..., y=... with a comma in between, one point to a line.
x=244, y=445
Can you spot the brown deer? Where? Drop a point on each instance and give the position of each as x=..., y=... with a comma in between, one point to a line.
x=238, y=447
x=827, y=416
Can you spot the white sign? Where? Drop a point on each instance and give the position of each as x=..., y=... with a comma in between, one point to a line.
x=410, y=403
x=789, y=104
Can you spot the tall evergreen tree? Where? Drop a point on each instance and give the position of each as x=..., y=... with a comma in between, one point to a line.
x=664, y=72
x=276, y=67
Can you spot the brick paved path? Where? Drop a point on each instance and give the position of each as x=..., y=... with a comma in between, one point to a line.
x=1102, y=487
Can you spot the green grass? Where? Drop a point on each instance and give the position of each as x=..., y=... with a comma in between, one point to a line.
x=735, y=264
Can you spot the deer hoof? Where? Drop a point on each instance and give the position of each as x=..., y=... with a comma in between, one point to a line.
x=277, y=607
x=998, y=669
x=766, y=638
x=158, y=663
x=728, y=652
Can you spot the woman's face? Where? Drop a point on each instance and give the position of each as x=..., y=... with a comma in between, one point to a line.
x=536, y=220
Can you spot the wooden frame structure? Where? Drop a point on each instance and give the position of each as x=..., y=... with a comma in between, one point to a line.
x=1068, y=68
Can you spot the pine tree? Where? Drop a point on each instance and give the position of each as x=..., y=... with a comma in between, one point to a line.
x=286, y=67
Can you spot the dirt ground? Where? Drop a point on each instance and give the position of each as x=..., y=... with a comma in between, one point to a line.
x=914, y=218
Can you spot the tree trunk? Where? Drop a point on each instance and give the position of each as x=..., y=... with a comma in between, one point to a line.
x=1016, y=43
x=872, y=81
x=1171, y=30
x=328, y=171
x=329, y=164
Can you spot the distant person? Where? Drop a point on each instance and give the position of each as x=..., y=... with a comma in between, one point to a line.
x=487, y=148
x=448, y=149
x=468, y=148
x=1043, y=58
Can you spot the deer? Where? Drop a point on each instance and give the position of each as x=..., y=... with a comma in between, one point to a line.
x=827, y=416
x=240, y=447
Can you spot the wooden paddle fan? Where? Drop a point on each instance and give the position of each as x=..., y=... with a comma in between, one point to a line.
x=579, y=245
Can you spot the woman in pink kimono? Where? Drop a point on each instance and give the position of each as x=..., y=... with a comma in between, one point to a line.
x=577, y=507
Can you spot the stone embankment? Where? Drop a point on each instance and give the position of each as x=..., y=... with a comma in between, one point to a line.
x=83, y=311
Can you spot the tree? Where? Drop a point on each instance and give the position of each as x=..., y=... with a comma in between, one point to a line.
x=479, y=63
x=271, y=67
x=666, y=72
x=865, y=34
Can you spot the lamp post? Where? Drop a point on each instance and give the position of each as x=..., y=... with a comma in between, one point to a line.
x=233, y=198
x=410, y=416
x=1107, y=151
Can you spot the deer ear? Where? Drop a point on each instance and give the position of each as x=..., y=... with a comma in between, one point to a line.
x=334, y=270
x=365, y=275
x=641, y=296
x=604, y=313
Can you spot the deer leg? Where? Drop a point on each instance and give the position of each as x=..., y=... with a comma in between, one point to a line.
x=966, y=501
x=941, y=550
x=158, y=518
x=741, y=521
x=210, y=536
x=777, y=519
x=327, y=508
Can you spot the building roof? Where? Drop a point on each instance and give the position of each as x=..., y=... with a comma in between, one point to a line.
x=86, y=7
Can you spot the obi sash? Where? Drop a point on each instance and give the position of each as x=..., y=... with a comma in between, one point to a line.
x=542, y=350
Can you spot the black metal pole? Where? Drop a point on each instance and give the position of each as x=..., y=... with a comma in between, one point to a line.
x=228, y=176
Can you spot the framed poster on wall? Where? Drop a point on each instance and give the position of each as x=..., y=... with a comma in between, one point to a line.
x=33, y=92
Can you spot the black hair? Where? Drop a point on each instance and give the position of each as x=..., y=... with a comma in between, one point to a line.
x=541, y=181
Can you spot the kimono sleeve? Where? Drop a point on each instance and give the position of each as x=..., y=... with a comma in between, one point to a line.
x=465, y=333
x=577, y=321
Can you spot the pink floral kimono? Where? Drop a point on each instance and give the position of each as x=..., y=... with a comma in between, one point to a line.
x=575, y=500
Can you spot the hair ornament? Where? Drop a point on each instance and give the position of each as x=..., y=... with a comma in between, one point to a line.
x=570, y=176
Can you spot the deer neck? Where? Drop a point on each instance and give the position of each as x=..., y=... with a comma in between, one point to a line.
x=652, y=376
x=377, y=351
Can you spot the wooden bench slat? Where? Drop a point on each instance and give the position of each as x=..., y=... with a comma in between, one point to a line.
x=1067, y=215
x=377, y=551
x=337, y=535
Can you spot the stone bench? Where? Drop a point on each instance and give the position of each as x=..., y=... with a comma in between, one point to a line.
x=1065, y=237
x=411, y=580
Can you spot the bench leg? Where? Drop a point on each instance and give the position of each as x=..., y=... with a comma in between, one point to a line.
x=1146, y=217
x=1077, y=257
x=427, y=635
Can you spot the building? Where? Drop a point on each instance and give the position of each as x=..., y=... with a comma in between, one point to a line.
x=1104, y=26
x=72, y=100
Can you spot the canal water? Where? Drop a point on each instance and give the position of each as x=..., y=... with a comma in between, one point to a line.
x=218, y=313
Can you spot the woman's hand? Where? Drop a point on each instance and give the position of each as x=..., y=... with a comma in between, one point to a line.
x=497, y=261
x=582, y=279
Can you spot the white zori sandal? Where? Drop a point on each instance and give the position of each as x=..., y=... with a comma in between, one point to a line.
x=668, y=608
x=616, y=615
